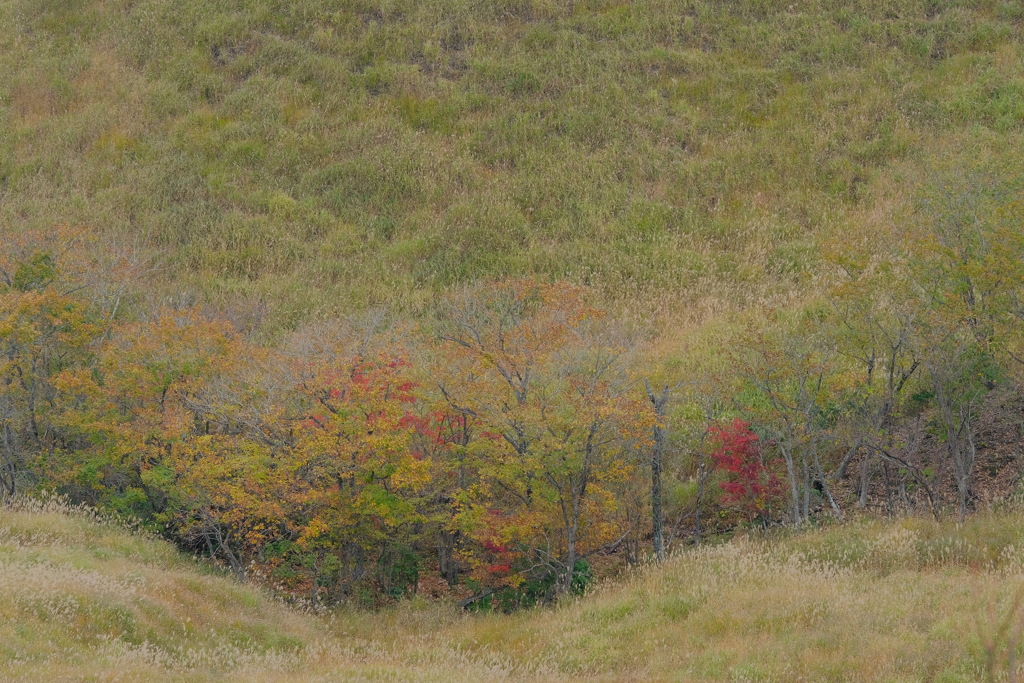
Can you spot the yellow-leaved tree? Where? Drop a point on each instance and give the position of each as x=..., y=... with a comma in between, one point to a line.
x=560, y=418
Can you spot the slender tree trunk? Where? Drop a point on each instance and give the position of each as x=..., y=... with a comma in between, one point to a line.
x=563, y=584
x=824, y=487
x=572, y=516
x=570, y=565
x=657, y=513
x=957, y=416
x=702, y=477
x=963, y=462
x=888, y=488
x=233, y=560
x=806, y=504
x=794, y=491
x=865, y=475
x=9, y=466
x=841, y=470
x=445, y=556
x=657, y=457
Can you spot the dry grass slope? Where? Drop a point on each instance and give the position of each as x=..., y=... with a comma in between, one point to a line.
x=867, y=601
x=684, y=158
x=87, y=599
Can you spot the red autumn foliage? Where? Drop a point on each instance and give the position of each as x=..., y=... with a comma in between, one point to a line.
x=750, y=487
x=493, y=547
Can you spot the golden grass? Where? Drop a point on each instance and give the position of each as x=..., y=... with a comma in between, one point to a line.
x=866, y=601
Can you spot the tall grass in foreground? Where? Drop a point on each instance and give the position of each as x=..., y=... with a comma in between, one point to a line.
x=869, y=600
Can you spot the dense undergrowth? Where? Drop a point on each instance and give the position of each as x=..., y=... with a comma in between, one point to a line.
x=868, y=600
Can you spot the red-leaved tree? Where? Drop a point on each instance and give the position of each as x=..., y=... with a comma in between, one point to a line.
x=749, y=487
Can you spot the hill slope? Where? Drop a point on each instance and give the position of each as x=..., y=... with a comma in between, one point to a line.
x=682, y=157
x=906, y=600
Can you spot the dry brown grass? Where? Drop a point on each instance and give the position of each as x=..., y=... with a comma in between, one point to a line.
x=866, y=601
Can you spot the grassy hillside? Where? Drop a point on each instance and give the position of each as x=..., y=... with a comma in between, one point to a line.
x=682, y=157
x=908, y=600
x=84, y=599
x=285, y=161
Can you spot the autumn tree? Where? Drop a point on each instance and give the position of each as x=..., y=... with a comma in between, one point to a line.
x=658, y=401
x=359, y=481
x=792, y=374
x=44, y=330
x=966, y=268
x=749, y=485
x=874, y=315
x=558, y=415
x=136, y=406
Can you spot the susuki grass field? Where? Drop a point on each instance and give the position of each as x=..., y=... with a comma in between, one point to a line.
x=867, y=601
x=305, y=158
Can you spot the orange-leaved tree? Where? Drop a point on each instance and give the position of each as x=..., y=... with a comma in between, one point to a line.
x=136, y=406
x=559, y=419
x=44, y=331
x=358, y=480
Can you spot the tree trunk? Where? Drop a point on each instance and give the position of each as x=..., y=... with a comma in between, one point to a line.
x=702, y=477
x=657, y=458
x=565, y=581
x=865, y=478
x=446, y=556
x=957, y=416
x=794, y=491
x=806, y=498
x=825, y=488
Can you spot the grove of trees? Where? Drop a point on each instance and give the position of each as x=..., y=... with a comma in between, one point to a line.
x=517, y=432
